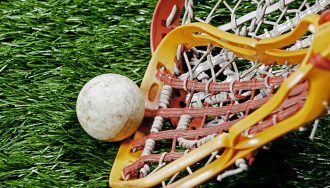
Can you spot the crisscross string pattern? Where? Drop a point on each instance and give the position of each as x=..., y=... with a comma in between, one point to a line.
x=212, y=89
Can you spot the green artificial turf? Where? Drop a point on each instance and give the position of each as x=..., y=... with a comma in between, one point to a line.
x=50, y=49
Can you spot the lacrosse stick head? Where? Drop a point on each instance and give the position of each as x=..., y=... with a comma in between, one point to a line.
x=224, y=116
x=267, y=19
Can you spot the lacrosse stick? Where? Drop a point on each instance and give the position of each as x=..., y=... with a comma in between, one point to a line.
x=270, y=18
x=312, y=74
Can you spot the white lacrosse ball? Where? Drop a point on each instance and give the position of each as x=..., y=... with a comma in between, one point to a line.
x=110, y=107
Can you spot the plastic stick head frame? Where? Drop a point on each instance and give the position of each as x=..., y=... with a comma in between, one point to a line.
x=314, y=63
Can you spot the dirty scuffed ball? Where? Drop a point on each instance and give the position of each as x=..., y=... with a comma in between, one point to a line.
x=110, y=107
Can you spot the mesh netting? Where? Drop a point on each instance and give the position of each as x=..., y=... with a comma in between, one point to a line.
x=211, y=89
